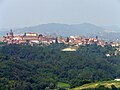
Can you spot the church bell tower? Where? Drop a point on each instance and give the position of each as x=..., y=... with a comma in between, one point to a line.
x=11, y=33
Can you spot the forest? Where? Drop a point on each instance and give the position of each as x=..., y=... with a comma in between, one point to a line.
x=24, y=67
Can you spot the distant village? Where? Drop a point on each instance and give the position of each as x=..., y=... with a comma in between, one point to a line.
x=33, y=38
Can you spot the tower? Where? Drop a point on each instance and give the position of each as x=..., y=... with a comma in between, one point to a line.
x=11, y=33
x=96, y=37
x=67, y=39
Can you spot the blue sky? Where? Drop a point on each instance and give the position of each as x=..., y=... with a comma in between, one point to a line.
x=21, y=13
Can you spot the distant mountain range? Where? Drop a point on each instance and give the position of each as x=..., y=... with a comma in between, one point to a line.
x=63, y=29
x=84, y=29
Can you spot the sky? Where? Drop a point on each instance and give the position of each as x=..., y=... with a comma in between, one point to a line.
x=22, y=13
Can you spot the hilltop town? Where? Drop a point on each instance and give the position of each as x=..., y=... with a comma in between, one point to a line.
x=75, y=51
x=33, y=38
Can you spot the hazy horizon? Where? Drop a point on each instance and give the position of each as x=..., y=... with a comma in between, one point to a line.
x=25, y=13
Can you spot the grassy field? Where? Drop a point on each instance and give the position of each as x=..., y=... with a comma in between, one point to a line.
x=63, y=85
x=93, y=85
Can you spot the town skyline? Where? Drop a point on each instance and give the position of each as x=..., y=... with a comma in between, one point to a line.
x=34, y=38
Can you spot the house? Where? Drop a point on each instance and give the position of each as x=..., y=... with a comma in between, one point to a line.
x=69, y=49
x=108, y=55
x=114, y=44
x=117, y=79
x=31, y=34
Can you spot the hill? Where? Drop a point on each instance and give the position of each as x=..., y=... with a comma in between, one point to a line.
x=63, y=29
x=102, y=85
x=24, y=67
x=84, y=29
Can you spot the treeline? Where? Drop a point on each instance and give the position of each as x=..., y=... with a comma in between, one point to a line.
x=24, y=67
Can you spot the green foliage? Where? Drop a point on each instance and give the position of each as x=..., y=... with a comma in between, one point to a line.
x=3, y=43
x=23, y=67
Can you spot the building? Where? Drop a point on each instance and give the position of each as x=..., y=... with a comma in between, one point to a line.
x=30, y=37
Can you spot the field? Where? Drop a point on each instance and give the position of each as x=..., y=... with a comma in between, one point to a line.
x=63, y=85
x=107, y=84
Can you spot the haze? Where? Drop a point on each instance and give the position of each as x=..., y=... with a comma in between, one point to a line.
x=21, y=13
